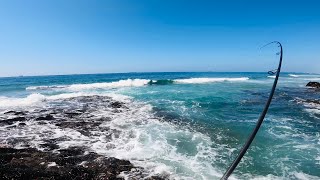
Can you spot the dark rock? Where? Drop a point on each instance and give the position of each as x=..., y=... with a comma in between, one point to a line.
x=15, y=113
x=22, y=124
x=155, y=178
x=47, y=117
x=73, y=151
x=73, y=114
x=49, y=146
x=116, y=104
x=34, y=164
x=12, y=120
x=314, y=101
x=85, y=132
x=313, y=84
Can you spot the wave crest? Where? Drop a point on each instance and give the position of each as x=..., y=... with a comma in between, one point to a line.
x=37, y=99
x=116, y=84
x=135, y=83
x=77, y=87
x=294, y=75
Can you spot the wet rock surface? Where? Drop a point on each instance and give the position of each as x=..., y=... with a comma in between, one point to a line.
x=47, y=117
x=313, y=102
x=13, y=120
x=69, y=163
x=313, y=84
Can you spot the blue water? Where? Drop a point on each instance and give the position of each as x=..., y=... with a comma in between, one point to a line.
x=191, y=125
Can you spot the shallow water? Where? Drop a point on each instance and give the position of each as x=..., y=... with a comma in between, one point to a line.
x=177, y=125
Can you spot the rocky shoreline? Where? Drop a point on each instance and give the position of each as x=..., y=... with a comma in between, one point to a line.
x=72, y=163
x=42, y=154
x=69, y=163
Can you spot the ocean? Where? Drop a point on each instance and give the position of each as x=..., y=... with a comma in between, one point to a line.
x=183, y=125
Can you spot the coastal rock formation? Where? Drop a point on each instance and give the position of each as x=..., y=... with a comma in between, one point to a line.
x=54, y=141
x=313, y=84
x=70, y=163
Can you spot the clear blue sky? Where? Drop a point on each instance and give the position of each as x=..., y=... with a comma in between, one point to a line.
x=82, y=36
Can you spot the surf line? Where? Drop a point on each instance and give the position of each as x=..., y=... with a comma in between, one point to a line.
x=262, y=115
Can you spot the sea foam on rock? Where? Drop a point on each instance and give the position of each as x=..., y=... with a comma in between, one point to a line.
x=53, y=141
x=313, y=84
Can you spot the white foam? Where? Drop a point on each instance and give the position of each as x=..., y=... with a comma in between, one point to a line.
x=311, y=107
x=318, y=160
x=313, y=111
x=271, y=76
x=304, y=176
x=51, y=164
x=294, y=75
x=304, y=75
x=209, y=80
x=106, y=85
x=20, y=102
x=312, y=79
x=38, y=99
x=121, y=83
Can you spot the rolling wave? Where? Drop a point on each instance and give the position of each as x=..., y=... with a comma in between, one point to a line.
x=37, y=99
x=161, y=82
x=135, y=83
x=116, y=84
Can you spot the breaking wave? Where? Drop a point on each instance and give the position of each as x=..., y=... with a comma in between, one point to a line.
x=37, y=99
x=271, y=76
x=136, y=83
x=294, y=75
x=116, y=84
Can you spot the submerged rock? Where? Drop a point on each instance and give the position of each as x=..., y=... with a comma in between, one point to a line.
x=313, y=84
x=47, y=117
x=12, y=120
x=116, y=104
x=15, y=113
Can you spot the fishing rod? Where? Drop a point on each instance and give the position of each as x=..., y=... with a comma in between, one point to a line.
x=261, y=118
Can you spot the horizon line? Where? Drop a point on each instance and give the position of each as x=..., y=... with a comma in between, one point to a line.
x=78, y=74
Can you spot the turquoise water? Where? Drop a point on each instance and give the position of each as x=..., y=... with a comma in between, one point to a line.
x=191, y=125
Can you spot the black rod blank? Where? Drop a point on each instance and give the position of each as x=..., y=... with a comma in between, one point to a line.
x=260, y=120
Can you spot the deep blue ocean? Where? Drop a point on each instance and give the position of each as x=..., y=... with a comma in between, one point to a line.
x=181, y=125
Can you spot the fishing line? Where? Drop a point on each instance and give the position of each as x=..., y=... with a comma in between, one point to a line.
x=262, y=115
